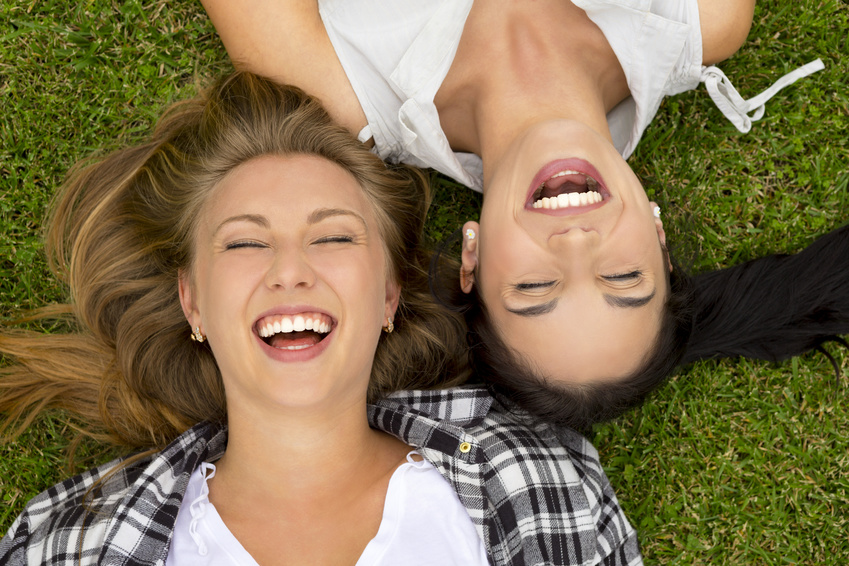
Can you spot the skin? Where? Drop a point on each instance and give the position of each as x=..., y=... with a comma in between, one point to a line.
x=301, y=464
x=535, y=90
x=598, y=277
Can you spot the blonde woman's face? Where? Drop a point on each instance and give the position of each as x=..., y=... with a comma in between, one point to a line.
x=290, y=284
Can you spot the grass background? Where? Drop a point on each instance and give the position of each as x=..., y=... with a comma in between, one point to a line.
x=730, y=463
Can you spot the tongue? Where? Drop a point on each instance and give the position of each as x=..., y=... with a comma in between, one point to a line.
x=576, y=183
x=295, y=339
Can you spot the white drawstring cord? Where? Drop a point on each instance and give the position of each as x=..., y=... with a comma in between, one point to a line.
x=734, y=107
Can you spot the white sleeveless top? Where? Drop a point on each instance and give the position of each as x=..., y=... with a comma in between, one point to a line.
x=396, y=55
x=423, y=524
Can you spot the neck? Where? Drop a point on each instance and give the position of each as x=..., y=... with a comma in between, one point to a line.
x=505, y=116
x=274, y=457
x=531, y=75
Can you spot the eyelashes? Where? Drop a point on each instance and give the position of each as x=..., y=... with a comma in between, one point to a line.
x=617, y=277
x=623, y=276
x=240, y=244
x=335, y=240
x=243, y=244
x=534, y=286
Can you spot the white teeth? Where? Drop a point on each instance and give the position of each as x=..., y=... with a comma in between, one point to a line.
x=567, y=172
x=565, y=200
x=297, y=323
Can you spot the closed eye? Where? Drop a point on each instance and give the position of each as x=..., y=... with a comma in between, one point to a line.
x=534, y=286
x=623, y=276
x=244, y=244
x=335, y=240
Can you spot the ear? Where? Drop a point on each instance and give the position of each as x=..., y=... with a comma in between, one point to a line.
x=469, y=256
x=393, y=296
x=661, y=234
x=187, y=299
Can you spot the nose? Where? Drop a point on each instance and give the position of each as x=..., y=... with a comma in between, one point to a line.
x=575, y=239
x=290, y=269
x=576, y=250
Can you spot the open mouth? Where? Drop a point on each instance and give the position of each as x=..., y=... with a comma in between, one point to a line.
x=569, y=186
x=294, y=332
x=567, y=189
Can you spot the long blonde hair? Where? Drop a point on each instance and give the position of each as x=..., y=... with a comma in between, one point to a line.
x=120, y=231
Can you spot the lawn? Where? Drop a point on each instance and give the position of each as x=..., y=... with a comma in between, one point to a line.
x=733, y=462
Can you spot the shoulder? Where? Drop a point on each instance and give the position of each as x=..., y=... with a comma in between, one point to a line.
x=724, y=26
x=122, y=507
x=548, y=471
x=287, y=41
x=56, y=518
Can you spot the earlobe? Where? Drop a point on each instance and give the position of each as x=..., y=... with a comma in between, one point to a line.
x=469, y=256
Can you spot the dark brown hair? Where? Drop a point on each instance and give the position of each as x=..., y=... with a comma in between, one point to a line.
x=772, y=308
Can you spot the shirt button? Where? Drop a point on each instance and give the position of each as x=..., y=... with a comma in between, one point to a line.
x=465, y=447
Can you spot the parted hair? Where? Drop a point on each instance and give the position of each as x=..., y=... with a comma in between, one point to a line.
x=120, y=232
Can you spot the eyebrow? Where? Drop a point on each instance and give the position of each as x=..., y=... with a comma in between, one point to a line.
x=315, y=217
x=535, y=310
x=320, y=214
x=629, y=302
x=257, y=219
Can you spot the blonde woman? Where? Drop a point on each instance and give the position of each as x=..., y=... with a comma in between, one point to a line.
x=251, y=310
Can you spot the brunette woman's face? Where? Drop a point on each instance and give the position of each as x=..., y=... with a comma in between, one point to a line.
x=290, y=283
x=575, y=287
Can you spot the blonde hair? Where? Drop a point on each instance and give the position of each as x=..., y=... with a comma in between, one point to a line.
x=121, y=230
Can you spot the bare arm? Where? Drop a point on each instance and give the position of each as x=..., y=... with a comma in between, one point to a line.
x=286, y=41
x=725, y=25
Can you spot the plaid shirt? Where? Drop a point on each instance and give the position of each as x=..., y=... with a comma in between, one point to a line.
x=536, y=495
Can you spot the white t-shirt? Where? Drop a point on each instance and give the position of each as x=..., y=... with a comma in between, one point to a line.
x=396, y=55
x=423, y=523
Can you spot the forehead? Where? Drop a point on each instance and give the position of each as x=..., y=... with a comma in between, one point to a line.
x=585, y=339
x=285, y=183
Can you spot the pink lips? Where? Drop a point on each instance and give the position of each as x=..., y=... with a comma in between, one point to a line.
x=290, y=356
x=554, y=167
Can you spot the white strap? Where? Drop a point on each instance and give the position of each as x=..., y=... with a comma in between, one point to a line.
x=365, y=134
x=198, y=507
x=734, y=107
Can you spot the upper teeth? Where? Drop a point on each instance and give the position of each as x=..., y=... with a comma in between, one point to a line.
x=565, y=200
x=276, y=324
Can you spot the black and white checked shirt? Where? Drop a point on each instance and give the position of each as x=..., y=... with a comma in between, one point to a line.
x=536, y=495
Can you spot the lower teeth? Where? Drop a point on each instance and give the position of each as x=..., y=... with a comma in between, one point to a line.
x=302, y=347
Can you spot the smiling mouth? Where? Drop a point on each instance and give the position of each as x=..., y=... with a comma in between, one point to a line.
x=567, y=189
x=294, y=332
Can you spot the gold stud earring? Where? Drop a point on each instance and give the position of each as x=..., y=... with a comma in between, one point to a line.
x=389, y=326
x=197, y=335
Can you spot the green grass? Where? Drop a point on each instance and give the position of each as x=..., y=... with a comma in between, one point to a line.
x=730, y=463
